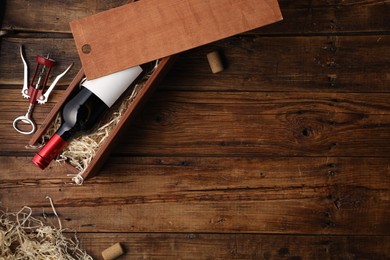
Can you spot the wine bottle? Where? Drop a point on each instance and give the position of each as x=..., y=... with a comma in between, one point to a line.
x=84, y=110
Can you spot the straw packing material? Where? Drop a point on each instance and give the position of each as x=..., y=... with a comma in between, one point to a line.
x=25, y=237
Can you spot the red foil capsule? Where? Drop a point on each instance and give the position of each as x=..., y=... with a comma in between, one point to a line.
x=49, y=152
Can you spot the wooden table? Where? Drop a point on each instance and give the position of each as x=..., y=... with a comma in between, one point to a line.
x=285, y=154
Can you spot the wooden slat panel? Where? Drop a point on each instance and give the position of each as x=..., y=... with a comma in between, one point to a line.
x=238, y=246
x=332, y=64
x=241, y=123
x=274, y=195
x=300, y=16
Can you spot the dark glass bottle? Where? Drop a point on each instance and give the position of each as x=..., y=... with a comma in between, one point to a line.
x=84, y=110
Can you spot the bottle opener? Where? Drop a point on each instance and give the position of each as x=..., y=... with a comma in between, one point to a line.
x=35, y=91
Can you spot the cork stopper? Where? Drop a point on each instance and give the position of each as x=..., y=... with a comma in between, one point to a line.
x=215, y=61
x=113, y=252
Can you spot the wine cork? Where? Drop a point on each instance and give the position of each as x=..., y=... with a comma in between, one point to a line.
x=113, y=252
x=215, y=61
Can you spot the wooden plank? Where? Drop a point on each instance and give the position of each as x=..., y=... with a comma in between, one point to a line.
x=316, y=195
x=300, y=16
x=331, y=64
x=302, y=125
x=331, y=17
x=62, y=50
x=53, y=16
x=239, y=123
x=312, y=64
x=172, y=26
x=238, y=246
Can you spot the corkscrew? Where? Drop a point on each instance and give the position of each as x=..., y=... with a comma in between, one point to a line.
x=36, y=91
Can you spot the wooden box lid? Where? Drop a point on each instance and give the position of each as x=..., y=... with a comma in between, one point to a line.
x=151, y=29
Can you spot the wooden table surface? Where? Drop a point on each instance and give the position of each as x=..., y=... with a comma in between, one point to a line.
x=285, y=154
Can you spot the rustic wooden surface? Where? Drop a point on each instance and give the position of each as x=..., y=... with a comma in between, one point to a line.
x=285, y=154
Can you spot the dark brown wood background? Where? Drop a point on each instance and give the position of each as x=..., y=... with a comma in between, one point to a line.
x=285, y=154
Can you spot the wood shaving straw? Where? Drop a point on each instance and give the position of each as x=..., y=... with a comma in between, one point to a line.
x=25, y=237
x=82, y=150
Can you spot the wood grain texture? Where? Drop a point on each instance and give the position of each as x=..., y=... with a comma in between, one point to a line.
x=284, y=155
x=241, y=123
x=62, y=50
x=49, y=16
x=261, y=124
x=309, y=64
x=300, y=16
x=172, y=26
x=331, y=17
x=239, y=246
x=285, y=195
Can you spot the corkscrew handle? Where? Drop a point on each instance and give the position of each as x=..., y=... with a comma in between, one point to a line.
x=22, y=121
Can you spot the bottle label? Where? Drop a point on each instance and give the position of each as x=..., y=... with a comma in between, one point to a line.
x=109, y=88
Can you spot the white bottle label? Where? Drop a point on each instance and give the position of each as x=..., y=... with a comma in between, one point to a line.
x=109, y=88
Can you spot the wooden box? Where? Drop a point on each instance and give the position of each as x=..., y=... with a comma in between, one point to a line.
x=136, y=104
x=148, y=30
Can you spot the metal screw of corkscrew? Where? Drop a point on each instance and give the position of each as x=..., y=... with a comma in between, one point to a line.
x=36, y=91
